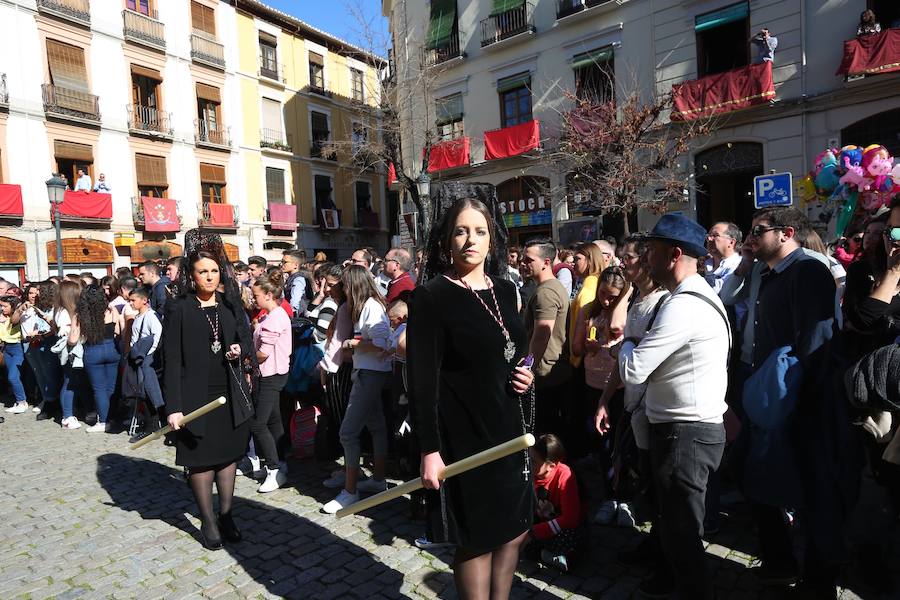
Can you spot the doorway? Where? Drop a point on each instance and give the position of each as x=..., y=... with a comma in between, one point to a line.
x=724, y=176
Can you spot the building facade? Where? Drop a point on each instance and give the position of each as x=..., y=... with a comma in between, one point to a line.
x=497, y=76
x=165, y=100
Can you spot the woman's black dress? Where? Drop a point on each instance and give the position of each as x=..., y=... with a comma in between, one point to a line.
x=195, y=375
x=462, y=404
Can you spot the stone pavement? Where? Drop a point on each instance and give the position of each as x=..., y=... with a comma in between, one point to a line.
x=82, y=516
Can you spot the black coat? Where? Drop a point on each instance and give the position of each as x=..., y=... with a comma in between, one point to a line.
x=186, y=351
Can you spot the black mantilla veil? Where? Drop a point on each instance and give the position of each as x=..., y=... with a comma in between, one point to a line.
x=443, y=197
x=196, y=241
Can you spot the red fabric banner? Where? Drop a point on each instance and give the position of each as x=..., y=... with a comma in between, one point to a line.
x=160, y=214
x=449, y=154
x=871, y=54
x=221, y=215
x=86, y=205
x=392, y=174
x=723, y=92
x=11, y=200
x=283, y=217
x=512, y=141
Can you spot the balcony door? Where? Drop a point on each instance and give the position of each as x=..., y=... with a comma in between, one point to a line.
x=724, y=177
x=723, y=39
x=70, y=157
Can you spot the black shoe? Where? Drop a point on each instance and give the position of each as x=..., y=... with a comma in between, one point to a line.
x=229, y=530
x=781, y=576
x=2, y=420
x=209, y=541
x=43, y=416
x=658, y=586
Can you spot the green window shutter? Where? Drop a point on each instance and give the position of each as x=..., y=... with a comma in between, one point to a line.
x=516, y=81
x=726, y=15
x=449, y=109
x=502, y=6
x=586, y=59
x=440, y=26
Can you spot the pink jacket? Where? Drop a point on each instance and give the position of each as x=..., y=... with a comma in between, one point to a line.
x=273, y=338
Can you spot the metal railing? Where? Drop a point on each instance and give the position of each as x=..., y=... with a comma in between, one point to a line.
x=271, y=69
x=507, y=24
x=137, y=211
x=73, y=10
x=205, y=133
x=149, y=119
x=144, y=29
x=436, y=56
x=207, y=51
x=319, y=149
x=204, y=218
x=67, y=102
x=4, y=92
x=273, y=138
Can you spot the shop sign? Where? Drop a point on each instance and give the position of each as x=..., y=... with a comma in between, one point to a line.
x=526, y=212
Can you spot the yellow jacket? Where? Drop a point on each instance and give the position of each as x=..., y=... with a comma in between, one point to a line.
x=581, y=303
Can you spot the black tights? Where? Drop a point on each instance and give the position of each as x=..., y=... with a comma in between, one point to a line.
x=487, y=576
x=201, y=482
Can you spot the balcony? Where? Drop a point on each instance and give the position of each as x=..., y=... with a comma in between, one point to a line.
x=165, y=214
x=721, y=93
x=149, y=121
x=368, y=220
x=4, y=92
x=437, y=56
x=77, y=11
x=84, y=207
x=282, y=217
x=319, y=148
x=69, y=104
x=213, y=215
x=271, y=69
x=320, y=91
x=508, y=24
x=210, y=135
x=871, y=55
x=274, y=139
x=567, y=8
x=207, y=51
x=143, y=29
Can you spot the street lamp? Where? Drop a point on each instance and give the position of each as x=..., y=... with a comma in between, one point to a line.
x=56, y=191
x=423, y=184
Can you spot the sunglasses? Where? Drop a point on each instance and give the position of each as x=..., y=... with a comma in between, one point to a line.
x=892, y=234
x=759, y=230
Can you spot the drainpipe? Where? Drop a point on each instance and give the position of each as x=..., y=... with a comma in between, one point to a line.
x=803, y=92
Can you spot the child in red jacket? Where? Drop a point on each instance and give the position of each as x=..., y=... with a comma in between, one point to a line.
x=559, y=513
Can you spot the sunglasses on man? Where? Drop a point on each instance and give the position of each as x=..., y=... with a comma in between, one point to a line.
x=759, y=230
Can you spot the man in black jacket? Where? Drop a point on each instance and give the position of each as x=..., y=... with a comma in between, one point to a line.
x=151, y=275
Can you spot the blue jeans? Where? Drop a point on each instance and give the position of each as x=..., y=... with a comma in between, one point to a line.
x=47, y=370
x=101, y=362
x=14, y=356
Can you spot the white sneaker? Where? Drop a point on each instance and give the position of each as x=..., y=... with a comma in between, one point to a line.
x=17, y=408
x=371, y=486
x=607, y=512
x=97, y=427
x=337, y=480
x=343, y=500
x=70, y=423
x=275, y=478
x=37, y=409
x=624, y=517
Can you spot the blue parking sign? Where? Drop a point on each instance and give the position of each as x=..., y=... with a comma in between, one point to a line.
x=773, y=190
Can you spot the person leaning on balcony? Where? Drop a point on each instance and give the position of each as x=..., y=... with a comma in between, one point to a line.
x=867, y=24
x=765, y=44
x=102, y=185
x=83, y=183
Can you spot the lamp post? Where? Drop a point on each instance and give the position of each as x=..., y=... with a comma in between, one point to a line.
x=56, y=191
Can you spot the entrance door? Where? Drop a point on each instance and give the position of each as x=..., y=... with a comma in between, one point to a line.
x=724, y=176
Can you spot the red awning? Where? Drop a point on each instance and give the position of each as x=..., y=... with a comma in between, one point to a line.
x=11, y=200
x=449, y=154
x=86, y=205
x=221, y=215
x=871, y=54
x=723, y=92
x=512, y=141
x=160, y=214
x=283, y=216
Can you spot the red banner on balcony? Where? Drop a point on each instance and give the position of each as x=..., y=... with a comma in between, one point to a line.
x=512, y=141
x=11, y=200
x=723, y=92
x=221, y=215
x=160, y=214
x=392, y=174
x=871, y=54
x=449, y=154
x=86, y=205
x=283, y=217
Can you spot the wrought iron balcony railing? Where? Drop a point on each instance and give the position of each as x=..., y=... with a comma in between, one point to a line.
x=207, y=51
x=440, y=55
x=69, y=103
x=137, y=211
x=507, y=24
x=205, y=217
x=144, y=29
x=78, y=11
x=210, y=134
x=4, y=92
x=273, y=138
x=271, y=69
x=147, y=119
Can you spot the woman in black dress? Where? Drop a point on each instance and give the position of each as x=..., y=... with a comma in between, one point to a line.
x=464, y=340
x=204, y=345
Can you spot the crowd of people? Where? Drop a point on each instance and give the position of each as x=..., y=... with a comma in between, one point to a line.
x=640, y=364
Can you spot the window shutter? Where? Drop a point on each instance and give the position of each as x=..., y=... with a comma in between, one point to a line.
x=275, y=186
x=726, y=15
x=271, y=115
x=212, y=173
x=319, y=122
x=587, y=59
x=67, y=68
x=316, y=59
x=203, y=18
x=208, y=92
x=145, y=72
x=440, y=25
x=449, y=109
x=502, y=6
x=516, y=81
x=73, y=151
x=151, y=170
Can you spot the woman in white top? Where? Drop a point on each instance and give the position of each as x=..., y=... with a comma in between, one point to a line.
x=64, y=313
x=372, y=368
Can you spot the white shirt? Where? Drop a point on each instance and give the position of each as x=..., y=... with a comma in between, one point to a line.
x=83, y=184
x=718, y=276
x=683, y=358
x=373, y=325
x=145, y=325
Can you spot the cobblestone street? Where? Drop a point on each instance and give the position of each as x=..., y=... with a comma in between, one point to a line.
x=82, y=516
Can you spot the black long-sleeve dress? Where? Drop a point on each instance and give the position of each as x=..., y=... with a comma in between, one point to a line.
x=461, y=404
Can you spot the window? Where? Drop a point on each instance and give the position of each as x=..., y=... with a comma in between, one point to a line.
x=322, y=189
x=268, y=57
x=316, y=71
x=363, y=202
x=449, y=117
x=722, y=39
x=595, y=76
x=356, y=81
x=275, y=186
x=141, y=6
x=271, y=121
x=359, y=136
x=151, y=175
x=887, y=13
x=70, y=157
x=320, y=131
x=66, y=65
x=515, y=99
x=209, y=113
x=212, y=184
x=203, y=19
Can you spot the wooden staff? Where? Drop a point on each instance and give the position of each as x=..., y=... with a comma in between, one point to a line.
x=213, y=405
x=461, y=466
